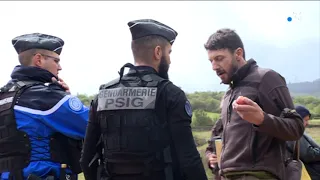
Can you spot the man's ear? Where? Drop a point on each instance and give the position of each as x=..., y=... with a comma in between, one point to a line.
x=36, y=60
x=158, y=53
x=239, y=54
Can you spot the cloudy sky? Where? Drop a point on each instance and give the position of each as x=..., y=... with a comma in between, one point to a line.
x=97, y=38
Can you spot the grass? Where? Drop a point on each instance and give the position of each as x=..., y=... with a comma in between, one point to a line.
x=314, y=132
x=314, y=122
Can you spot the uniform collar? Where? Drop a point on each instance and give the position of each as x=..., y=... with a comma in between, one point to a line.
x=143, y=69
x=31, y=73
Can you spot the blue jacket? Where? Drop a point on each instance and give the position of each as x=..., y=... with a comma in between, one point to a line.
x=43, y=110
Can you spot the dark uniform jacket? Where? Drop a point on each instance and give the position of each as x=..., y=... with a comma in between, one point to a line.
x=247, y=147
x=186, y=159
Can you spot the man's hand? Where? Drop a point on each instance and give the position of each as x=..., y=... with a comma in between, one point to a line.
x=62, y=83
x=248, y=110
x=212, y=158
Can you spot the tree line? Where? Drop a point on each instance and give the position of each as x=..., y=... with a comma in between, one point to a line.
x=206, y=106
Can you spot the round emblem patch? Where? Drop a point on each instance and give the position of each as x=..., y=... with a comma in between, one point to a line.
x=188, y=108
x=75, y=103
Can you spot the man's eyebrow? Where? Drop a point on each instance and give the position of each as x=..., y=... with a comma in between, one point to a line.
x=219, y=56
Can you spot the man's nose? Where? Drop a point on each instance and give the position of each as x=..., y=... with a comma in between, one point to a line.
x=214, y=66
x=59, y=67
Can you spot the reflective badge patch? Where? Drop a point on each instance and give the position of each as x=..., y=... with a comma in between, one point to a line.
x=5, y=103
x=127, y=98
x=6, y=100
x=75, y=103
x=188, y=108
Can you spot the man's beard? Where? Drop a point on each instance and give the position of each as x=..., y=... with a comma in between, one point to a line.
x=234, y=68
x=163, y=68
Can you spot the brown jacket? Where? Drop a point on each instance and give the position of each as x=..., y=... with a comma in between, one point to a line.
x=215, y=131
x=247, y=147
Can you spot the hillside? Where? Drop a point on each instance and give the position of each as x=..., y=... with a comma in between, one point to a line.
x=305, y=88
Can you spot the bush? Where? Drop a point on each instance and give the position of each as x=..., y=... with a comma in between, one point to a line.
x=201, y=118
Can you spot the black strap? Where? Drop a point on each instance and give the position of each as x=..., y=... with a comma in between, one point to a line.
x=33, y=177
x=16, y=175
x=127, y=65
x=296, y=151
x=167, y=151
x=63, y=173
x=145, y=77
x=98, y=155
x=168, y=161
x=65, y=176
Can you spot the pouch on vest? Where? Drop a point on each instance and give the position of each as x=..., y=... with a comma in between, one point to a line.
x=67, y=151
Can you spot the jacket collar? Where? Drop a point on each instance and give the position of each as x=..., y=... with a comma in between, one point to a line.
x=143, y=69
x=242, y=72
x=31, y=73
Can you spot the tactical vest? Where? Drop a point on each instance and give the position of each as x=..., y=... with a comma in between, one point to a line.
x=133, y=124
x=15, y=145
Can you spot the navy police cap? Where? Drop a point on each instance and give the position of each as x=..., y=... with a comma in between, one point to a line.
x=37, y=41
x=147, y=27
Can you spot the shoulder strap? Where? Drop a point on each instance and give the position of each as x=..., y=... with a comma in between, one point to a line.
x=109, y=84
x=154, y=80
x=167, y=150
x=296, y=151
x=22, y=84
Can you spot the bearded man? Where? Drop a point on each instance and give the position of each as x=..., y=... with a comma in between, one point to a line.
x=257, y=114
x=143, y=119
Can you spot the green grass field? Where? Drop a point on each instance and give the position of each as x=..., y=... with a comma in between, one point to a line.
x=314, y=132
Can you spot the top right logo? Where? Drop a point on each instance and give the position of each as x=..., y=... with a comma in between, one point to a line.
x=296, y=16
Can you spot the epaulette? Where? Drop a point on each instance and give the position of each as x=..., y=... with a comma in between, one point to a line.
x=111, y=83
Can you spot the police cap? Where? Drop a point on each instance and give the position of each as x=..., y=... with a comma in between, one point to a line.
x=146, y=27
x=37, y=41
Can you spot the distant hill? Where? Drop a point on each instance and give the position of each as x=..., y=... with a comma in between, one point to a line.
x=305, y=88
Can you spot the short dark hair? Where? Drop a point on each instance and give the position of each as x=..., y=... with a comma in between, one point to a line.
x=143, y=48
x=225, y=39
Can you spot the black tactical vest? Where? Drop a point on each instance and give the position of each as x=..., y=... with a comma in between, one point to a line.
x=15, y=146
x=135, y=133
